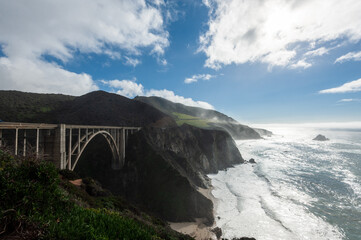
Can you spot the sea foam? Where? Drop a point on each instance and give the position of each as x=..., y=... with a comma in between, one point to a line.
x=299, y=189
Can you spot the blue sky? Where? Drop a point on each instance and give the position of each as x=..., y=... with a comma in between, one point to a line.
x=258, y=61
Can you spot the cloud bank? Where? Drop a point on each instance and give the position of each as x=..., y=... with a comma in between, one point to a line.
x=287, y=33
x=32, y=30
x=130, y=88
x=353, y=86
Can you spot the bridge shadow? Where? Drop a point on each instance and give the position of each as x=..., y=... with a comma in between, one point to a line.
x=96, y=162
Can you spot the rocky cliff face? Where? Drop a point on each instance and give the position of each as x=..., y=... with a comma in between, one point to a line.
x=200, y=151
x=165, y=167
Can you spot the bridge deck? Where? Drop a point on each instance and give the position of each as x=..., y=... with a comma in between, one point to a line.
x=14, y=125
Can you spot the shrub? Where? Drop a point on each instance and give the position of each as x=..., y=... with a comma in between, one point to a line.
x=68, y=174
x=33, y=206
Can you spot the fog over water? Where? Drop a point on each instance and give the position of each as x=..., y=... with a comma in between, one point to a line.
x=299, y=188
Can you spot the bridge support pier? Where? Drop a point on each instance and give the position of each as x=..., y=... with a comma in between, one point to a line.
x=59, y=147
x=16, y=141
x=24, y=142
x=37, y=142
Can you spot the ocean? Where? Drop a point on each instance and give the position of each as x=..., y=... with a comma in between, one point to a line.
x=298, y=188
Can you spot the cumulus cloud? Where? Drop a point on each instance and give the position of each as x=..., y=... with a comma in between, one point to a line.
x=130, y=88
x=353, y=86
x=39, y=76
x=171, y=96
x=127, y=88
x=276, y=32
x=30, y=30
x=351, y=56
x=197, y=77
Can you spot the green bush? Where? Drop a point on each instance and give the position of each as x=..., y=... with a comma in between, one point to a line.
x=30, y=194
x=98, y=224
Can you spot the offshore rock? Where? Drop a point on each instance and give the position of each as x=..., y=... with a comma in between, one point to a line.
x=252, y=160
x=320, y=137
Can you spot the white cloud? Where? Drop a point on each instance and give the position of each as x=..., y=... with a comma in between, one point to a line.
x=353, y=86
x=301, y=64
x=355, y=56
x=131, y=61
x=169, y=95
x=276, y=32
x=197, y=77
x=162, y=61
x=349, y=100
x=34, y=76
x=317, y=52
x=31, y=29
x=130, y=88
x=127, y=88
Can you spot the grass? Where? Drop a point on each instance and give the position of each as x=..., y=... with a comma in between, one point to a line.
x=36, y=203
x=191, y=120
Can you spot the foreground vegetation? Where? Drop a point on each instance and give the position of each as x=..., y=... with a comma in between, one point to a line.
x=37, y=203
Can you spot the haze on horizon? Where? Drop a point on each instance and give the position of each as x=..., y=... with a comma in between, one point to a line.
x=275, y=61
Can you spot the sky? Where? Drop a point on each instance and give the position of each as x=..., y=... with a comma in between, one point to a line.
x=258, y=61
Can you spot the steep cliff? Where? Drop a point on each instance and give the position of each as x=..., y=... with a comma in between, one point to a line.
x=165, y=167
x=204, y=151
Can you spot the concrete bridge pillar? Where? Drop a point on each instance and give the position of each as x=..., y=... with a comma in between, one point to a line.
x=60, y=147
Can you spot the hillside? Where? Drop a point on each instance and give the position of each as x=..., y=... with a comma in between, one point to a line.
x=95, y=108
x=204, y=118
x=18, y=106
x=102, y=108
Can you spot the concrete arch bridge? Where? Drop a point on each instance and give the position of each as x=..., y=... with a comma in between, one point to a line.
x=63, y=143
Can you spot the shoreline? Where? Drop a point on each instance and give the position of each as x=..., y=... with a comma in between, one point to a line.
x=198, y=229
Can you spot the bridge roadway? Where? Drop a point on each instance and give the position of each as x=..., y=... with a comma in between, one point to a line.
x=62, y=143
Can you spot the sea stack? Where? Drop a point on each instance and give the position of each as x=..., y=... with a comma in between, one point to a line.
x=320, y=137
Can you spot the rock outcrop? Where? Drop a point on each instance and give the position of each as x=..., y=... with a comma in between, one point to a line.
x=320, y=137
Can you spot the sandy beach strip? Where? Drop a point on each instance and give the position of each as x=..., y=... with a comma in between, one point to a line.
x=197, y=229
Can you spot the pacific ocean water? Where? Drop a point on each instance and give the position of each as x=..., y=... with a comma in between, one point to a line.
x=298, y=189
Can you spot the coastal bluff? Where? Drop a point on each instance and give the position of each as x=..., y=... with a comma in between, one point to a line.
x=165, y=168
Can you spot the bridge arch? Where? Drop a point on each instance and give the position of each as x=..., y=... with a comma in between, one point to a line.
x=55, y=142
x=117, y=161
